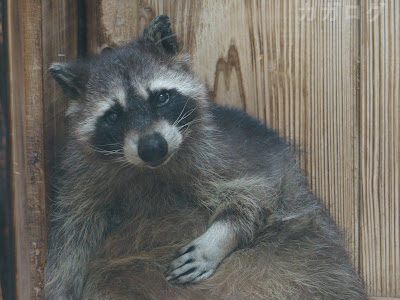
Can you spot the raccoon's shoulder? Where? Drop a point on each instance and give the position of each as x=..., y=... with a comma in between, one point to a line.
x=239, y=126
x=253, y=147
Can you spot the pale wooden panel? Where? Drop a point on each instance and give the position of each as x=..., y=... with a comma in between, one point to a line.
x=380, y=147
x=310, y=89
x=60, y=43
x=298, y=76
x=24, y=34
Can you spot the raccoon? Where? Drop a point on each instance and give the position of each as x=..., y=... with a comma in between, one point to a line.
x=166, y=195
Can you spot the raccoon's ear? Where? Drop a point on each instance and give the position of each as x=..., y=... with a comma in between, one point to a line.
x=159, y=32
x=70, y=76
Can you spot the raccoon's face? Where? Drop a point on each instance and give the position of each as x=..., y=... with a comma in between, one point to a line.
x=143, y=129
x=136, y=104
x=148, y=131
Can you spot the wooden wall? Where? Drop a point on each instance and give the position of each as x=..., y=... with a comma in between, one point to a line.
x=326, y=74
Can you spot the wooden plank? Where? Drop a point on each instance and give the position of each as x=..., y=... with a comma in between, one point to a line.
x=24, y=35
x=60, y=43
x=310, y=94
x=380, y=146
x=299, y=76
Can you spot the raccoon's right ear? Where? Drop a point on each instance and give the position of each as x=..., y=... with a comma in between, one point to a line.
x=70, y=76
x=160, y=32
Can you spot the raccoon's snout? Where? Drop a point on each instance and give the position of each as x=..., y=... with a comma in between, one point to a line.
x=153, y=149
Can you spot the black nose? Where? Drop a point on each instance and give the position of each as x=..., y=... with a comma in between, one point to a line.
x=153, y=149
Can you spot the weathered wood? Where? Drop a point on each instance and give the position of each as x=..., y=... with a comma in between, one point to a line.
x=307, y=88
x=24, y=34
x=60, y=43
x=380, y=146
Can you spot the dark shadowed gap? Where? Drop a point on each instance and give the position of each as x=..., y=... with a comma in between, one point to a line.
x=82, y=30
x=6, y=240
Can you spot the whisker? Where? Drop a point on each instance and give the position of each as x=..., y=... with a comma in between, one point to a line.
x=112, y=144
x=106, y=152
x=187, y=114
x=190, y=123
x=167, y=37
x=177, y=119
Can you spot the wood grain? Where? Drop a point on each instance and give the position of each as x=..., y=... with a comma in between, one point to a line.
x=26, y=116
x=60, y=43
x=380, y=147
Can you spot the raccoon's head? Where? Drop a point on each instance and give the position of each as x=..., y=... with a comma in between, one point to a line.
x=137, y=103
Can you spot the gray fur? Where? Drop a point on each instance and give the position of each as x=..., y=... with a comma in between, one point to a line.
x=230, y=204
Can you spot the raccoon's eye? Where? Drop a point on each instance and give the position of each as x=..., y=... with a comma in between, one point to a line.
x=112, y=117
x=163, y=98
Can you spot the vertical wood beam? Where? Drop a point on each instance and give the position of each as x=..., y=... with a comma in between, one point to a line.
x=24, y=32
x=380, y=147
x=60, y=43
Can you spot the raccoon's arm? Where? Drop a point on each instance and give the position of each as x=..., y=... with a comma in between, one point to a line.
x=73, y=237
x=238, y=215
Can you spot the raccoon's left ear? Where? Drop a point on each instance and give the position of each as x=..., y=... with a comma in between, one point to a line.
x=159, y=32
x=71, y=76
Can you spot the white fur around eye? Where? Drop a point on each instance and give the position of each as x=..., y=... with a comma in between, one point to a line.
x=88, y=126
x=120, y=96
x=183, y=83
x=73, y=108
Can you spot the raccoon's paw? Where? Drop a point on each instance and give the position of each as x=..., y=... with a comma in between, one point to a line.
x=199, y=259
x=194, y=263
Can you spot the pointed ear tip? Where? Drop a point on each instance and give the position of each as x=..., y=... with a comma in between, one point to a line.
x=56, y=67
